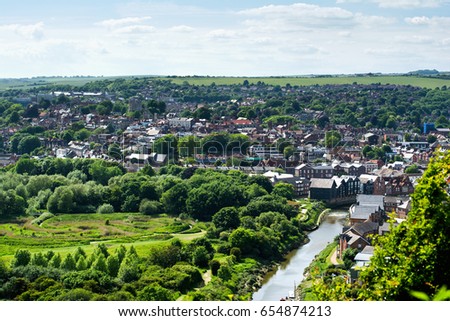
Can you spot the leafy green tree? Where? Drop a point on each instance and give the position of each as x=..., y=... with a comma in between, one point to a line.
x=61, y=201
x=28, y=144
x=412, y=169
x=188, y=146
x=168, y=145
x=38, y=259
x=11, y=204
x=100, y=264
x=148, y=207
x=55, y=261
x=174, y=199
x=115, y=152
x=285, y=190
x=244, y=239
x=200, y=256
x=215, y=143
x=21, y=258
x=226, y=218
x=81, y=264
x=101, y=171
x=155, y=292
x=156, y=107
x=113, y=265
x=332, y=138
x=69, y=263
x=214, y=266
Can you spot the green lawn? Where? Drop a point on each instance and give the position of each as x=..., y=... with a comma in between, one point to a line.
x=64, y=233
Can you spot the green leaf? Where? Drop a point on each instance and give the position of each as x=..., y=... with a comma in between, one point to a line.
x=420, y=295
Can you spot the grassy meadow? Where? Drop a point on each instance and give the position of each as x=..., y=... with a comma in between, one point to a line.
x=64, y=233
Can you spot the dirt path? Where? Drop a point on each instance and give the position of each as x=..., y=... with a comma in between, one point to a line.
x=333, y=257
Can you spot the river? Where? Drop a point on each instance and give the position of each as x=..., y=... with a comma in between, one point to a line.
x=278, y=283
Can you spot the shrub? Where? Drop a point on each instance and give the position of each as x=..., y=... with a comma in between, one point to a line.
x=105, y=209
x=148, y=207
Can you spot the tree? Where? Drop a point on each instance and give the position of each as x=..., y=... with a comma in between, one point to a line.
x=114, y=151
x=200, y=256
x=155, y=292
x=156, y=107
x=167, y=145
x=288, y=151
x=174, y=199
x=149, y=207
x=69, y=263
x=21, y=258
x=412, y=169
x=285, y=190
x=188, y=146
x=28, y=144
x=332, y=138
x=244, y=239
x=226, y=218
x=61, y=201
x=113, y=265
x=100, y=264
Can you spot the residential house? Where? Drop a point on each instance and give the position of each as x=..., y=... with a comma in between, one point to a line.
x=367, y=208
x=352, y=169
x=335, y=191
x=7, y=159
x=310, y=171
x=403, y=209
x=370, y=139
x=357, y=236
x=367, y=183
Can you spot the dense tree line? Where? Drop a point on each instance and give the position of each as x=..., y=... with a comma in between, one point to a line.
x=248, y=219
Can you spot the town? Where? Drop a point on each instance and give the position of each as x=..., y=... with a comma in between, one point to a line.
x=362, y=148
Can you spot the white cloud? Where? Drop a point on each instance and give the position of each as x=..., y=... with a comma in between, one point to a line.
x=401, y=4
x=182, y=28
x=409, y=4
x=299, y=10
x=29, y=31
x=223, y=34
x=135, y=29
x=429, y=21
x=117, y=23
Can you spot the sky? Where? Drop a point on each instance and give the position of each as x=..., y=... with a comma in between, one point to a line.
x=222, y=38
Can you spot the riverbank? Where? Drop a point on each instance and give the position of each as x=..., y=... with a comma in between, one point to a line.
x=285, y=277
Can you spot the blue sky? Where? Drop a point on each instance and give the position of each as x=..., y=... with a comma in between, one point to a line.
x=228, y=37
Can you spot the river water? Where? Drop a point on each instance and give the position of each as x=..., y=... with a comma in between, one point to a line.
x=278, y=283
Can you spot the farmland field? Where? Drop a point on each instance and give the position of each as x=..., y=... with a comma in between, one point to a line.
x=64, y=233
x=426, y=82
x=311, y=81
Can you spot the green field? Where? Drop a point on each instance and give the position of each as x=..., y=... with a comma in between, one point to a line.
x=311, y=81
x=426, y=82
x=64, y=233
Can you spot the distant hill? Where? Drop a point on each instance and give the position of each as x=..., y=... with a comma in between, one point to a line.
x=424, y=72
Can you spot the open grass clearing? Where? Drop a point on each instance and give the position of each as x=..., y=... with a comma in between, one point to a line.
x=64, y=233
